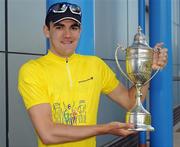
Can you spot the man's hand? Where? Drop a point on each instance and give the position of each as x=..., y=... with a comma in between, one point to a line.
x=120, y=129
x=160, y=56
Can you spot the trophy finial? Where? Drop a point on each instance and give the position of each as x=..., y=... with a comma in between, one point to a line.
x=139, y=29
x=140, y=39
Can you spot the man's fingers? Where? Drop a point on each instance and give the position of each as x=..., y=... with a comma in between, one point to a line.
x=126, y=126
x=159, y=45
x=124, y=133
x=160, y=57
x=121, y=129
x=119, y=125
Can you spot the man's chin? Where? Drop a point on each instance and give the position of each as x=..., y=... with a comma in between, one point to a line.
x=68, y=54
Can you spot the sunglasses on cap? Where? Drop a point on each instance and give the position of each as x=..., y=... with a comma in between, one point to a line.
x=62, y=7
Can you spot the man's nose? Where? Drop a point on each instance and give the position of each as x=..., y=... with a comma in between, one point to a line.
x=67, y=33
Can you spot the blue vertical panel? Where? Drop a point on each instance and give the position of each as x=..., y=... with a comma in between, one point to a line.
x=161, y=86
x=141, y=22
x=86, y=43
x=141, y=14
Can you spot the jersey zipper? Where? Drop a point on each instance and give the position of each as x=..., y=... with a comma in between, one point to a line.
x=69, y=72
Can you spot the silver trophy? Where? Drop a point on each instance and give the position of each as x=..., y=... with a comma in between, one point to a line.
x=139, y=58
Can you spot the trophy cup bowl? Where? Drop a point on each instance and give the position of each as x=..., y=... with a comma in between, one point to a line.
x=139, y=58
x=138, y=64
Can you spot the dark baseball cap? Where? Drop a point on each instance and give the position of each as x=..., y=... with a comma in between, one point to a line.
x=61, y=11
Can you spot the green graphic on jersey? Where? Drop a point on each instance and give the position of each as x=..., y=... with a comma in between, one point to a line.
x=71, y=114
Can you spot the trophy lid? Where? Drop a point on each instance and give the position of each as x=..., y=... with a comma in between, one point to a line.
x=140, y=40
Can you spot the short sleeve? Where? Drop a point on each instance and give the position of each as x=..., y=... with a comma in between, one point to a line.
x=108, y=77
x=32, y=85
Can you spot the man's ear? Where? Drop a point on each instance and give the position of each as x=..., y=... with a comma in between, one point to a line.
x=46, y=31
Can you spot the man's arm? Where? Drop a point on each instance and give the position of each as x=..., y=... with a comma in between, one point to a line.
x=126, y=97
x=54, y=133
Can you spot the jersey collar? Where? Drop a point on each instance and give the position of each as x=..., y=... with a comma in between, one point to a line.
x=58, y=58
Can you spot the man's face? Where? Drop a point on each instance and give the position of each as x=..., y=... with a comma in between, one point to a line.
x=63, y=36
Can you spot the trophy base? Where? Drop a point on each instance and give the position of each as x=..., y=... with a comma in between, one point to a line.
x=141, y=121
x=140, y=128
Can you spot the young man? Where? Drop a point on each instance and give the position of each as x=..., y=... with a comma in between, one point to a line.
x=61, y=90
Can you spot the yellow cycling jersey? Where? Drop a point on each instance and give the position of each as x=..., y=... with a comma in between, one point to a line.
x=72, y=86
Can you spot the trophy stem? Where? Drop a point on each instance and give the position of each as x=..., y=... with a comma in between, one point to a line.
x=139, y=106
x=138, y=94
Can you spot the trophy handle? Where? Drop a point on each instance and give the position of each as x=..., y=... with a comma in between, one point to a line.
x=118, y=65
x=155, y=50
x=152, y=77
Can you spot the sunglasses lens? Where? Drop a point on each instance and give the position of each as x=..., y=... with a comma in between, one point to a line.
x=61, y=8
x=75, y=9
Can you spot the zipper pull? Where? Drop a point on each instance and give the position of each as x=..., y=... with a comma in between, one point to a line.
x=66, y=60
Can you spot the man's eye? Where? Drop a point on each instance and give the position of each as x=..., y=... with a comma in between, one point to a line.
x=75, y=28
x=59, y=27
